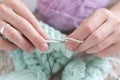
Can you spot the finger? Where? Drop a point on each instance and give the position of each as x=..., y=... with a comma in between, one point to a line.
x=5, y=45
x=97, y=36
x=113, y=49
x=22, y=10
x=86, y=28
x=102, y=45
x=24, y=27
x=15, y=37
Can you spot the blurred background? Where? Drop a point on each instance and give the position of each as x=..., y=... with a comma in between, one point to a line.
x=31, y=4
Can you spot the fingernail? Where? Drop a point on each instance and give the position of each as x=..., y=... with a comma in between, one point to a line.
x=100, y=56
x=89, y=52
x=44, y=48
x=31, y=49
x=70, y=47
x=81, y=49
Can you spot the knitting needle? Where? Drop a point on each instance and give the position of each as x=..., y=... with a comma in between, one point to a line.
x=58, y=41
x=63, y=40
x=75, y=40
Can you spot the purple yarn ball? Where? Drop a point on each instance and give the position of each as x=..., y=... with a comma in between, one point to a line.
x=67, y=15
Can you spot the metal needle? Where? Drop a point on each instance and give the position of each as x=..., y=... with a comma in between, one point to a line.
x=58, y=41
x=63, y=40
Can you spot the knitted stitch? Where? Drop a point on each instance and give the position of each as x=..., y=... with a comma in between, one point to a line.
x=66, y=15
x=93, y=68
x=58, y=55
x=35, y=66
x=25, y=75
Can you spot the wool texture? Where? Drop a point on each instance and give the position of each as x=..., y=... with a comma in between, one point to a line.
x=66, y=15
x=35, y=66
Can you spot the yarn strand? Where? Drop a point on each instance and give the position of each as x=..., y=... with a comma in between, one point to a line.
x=51, y=73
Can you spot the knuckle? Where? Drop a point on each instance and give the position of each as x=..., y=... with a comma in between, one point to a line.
x=23, y=26
x=96, y=37
x=88, y=27
x=102, y=11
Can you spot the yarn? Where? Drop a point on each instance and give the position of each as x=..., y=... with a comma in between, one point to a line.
x=59, y=56
x=25, y=75
x=93, y=68
x=66, y=15
x=35, y=66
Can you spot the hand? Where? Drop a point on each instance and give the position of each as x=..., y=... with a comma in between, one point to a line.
x=15, y=13
x=100, y=33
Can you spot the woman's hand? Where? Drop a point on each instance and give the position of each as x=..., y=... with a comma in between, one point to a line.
x=15, y=13
x=100, y=33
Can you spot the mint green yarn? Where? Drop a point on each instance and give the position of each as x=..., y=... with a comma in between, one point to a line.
x=35, y=66
x=93, y=68
x=59, y=56
x=25, y=75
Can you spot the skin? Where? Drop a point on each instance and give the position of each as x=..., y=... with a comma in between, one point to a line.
x=100, y=33
x=20, y=19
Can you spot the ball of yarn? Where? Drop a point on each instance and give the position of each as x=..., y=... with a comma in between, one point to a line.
x=93, y=68
x=66, y=15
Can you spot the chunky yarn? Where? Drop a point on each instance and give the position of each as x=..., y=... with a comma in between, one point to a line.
x=25, y=75
x=93, y=68
x=58, y=55
x=66, y=15
x=35, y=66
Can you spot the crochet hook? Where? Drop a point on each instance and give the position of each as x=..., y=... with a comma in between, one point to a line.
x=63, y=40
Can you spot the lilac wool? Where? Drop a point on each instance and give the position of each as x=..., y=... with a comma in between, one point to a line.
x=67, y=15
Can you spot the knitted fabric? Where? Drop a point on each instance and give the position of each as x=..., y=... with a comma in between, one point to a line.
x=93, y=68
x=66, y=15
x=25, y=75
x=35, y=66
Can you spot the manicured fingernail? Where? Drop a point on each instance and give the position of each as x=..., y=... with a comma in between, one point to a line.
x=100, y=56
x=81, y=49
x=31, y=49
x=89, y=52
x=44, y=48
x=70, y=47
